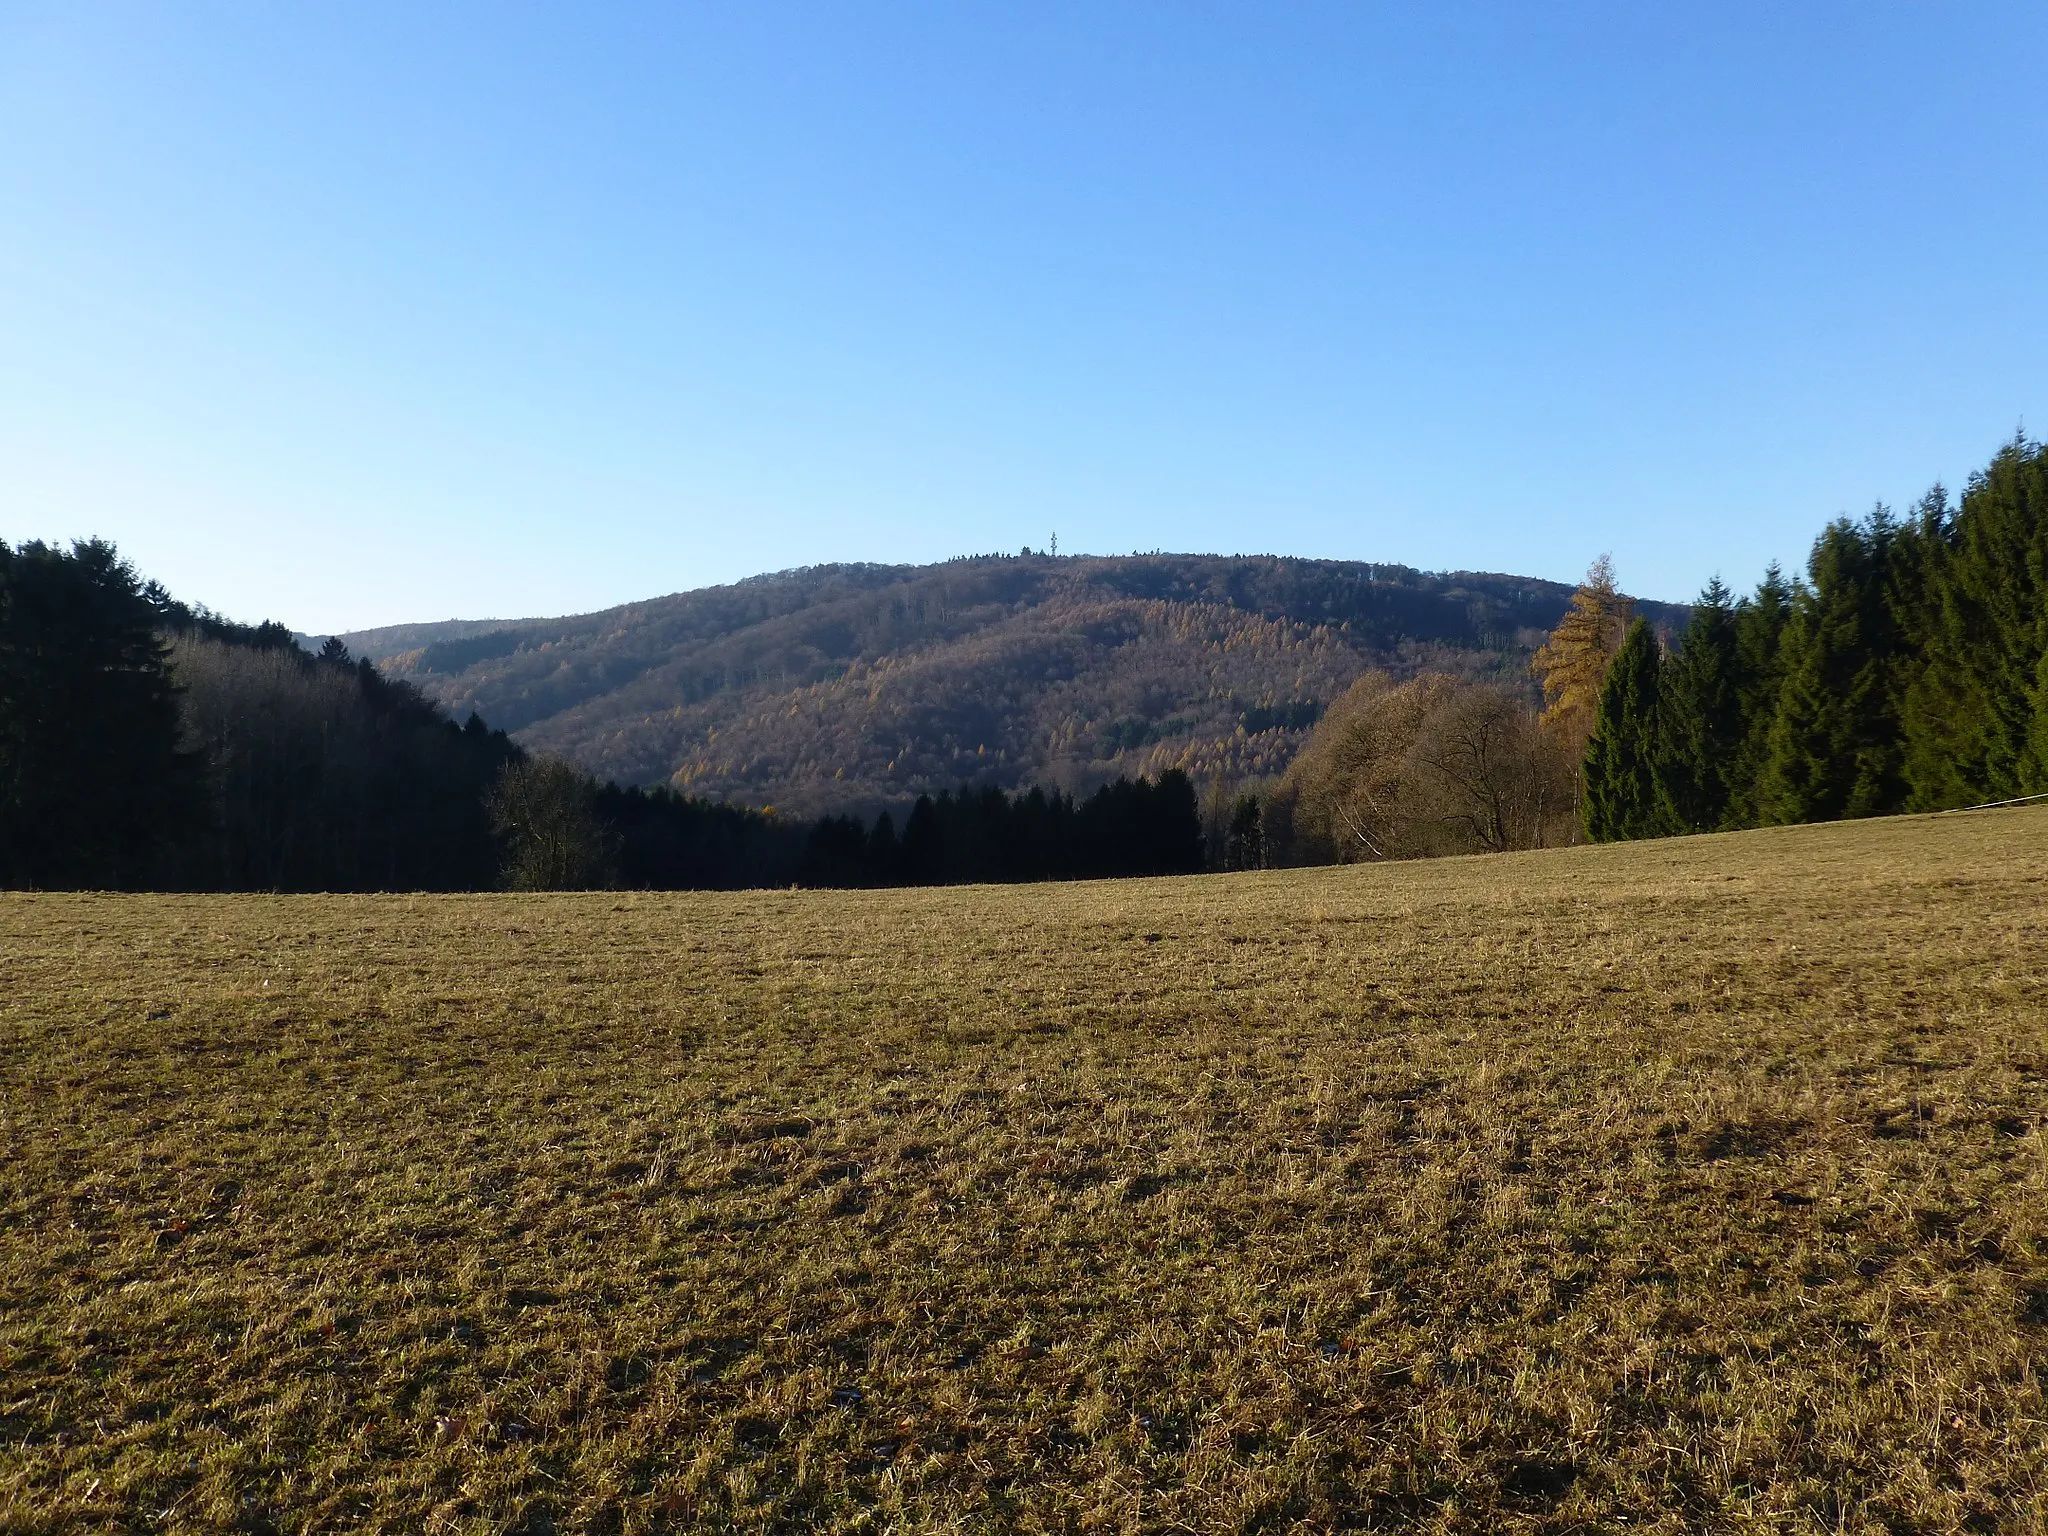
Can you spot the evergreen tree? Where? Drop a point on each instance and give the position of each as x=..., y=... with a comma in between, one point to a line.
x=1976, y=713
x=921, y=855
x=668, y=841
x=1174, y=825
x=1835, y=746
x=1921, y=551
x=882, y=850
x=1759, y=632
x=1702, y=728
x=1621, y=790
x=92, y=783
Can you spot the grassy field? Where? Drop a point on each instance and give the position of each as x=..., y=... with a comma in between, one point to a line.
x=1689, y=1185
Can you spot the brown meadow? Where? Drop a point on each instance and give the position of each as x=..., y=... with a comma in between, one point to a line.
x=1697, y=1184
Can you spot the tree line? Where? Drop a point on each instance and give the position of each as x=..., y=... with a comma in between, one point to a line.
x=146, y=743
x=985, y=835
x=1906, y=671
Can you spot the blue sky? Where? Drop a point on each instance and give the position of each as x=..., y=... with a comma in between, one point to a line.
x=355, y=314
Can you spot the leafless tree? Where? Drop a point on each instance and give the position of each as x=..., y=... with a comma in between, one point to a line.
x=554, y=839
x=1433, y=766
x=1495, y=778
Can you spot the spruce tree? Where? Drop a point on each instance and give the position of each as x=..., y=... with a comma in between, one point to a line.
x=1976, y=714
x=1835, y=747
x=1759, y=630
x=1702, y=721
x=1921, y=552
x=92, y=781
x=1621, y=795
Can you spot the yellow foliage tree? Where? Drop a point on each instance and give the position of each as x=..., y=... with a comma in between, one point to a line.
x=1573, y=662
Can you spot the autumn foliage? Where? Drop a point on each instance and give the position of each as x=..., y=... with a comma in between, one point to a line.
x=1573, y=662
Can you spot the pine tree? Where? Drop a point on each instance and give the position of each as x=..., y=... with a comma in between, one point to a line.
x=1621, y=793
x=1701, y=734
x=2033, y=778
x=1976, y=714
x=1836, y=744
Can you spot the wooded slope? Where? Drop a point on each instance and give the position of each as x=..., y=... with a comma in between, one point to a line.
x=847, y=686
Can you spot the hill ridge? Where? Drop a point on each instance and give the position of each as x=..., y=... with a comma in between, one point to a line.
x=857, y=684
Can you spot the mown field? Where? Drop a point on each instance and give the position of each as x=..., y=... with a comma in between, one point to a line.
x=1689, y=1185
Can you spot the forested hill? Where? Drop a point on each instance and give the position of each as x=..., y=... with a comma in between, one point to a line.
x=841, y=686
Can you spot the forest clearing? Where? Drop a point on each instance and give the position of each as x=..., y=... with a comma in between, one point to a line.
x=1691, y=1183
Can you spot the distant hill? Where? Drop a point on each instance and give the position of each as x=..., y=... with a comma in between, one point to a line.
x=856, y=686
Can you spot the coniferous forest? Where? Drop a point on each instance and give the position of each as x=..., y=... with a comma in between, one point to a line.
x=146, y=743
x=1906, y=671
x=987, y=835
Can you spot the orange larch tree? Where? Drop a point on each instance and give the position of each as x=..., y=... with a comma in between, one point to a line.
x=1573, y=662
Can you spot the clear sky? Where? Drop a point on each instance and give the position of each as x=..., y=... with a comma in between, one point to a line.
x=348, y=314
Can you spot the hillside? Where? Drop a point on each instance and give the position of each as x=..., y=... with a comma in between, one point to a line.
x=855, y=686
x=1675, y=1186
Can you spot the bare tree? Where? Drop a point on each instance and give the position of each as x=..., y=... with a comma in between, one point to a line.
x=554, y=839
x=1433, y=766
x=1497, y=782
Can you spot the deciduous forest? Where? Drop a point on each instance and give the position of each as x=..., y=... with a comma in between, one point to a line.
x=855, y=689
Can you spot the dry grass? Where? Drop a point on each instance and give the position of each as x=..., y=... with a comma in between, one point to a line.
x=1685, y=1185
